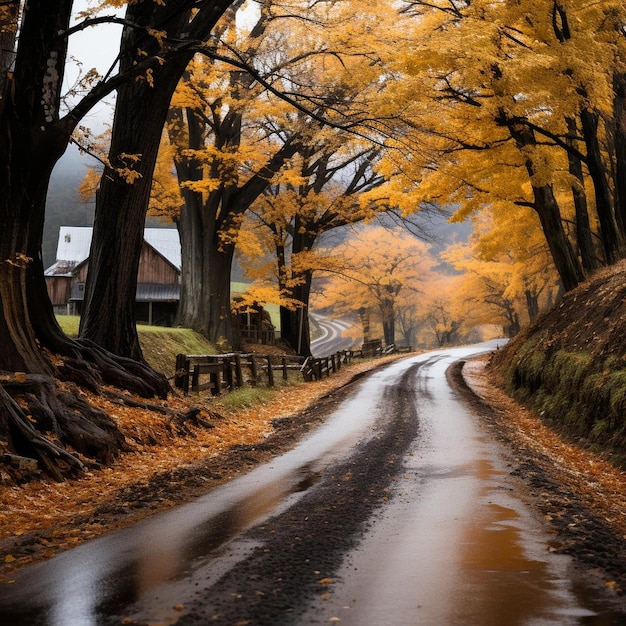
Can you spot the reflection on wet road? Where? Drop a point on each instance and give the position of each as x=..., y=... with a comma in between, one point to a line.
x=457, y=545
x=454, y=544
x=81, y=586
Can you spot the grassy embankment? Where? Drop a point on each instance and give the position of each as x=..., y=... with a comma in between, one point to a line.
x=160, y=346
x=570, y=366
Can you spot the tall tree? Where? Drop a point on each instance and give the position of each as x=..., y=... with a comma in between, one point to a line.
x=234, y=135
x=370, y=271
x=34, y=133
x=172, y=31
x=529, y=69
x=326, y=188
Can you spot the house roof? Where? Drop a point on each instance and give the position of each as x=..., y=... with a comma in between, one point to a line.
x=75, y=241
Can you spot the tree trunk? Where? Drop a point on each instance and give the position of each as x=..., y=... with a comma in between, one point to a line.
x=364, y=316
x=295, y=329
x=612, y=241
x=32, y=139
x=294, y=325
x=219, y=322
x=546, y=206
x=190, y=222
x=141, y=111
x=108, y=317
x=584, y=235
x=619, y=115
x=532, y=303
x=566, y=262
x=389, y=321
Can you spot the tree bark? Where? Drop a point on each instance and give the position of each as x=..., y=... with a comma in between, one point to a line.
x=32, y=139
x=295, y=329
x=619, y=115
x=189, y=222
x=584, y=235
x=532, y=303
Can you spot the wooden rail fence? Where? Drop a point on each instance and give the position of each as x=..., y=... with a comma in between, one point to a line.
x=224, y=372
x=221, y=372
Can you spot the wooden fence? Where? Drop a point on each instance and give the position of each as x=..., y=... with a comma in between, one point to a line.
x=221, y=372
x=224, y=372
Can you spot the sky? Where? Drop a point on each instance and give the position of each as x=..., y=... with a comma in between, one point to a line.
x=95, y=47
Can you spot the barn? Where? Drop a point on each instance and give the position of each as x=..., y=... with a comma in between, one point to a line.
x=158, y=278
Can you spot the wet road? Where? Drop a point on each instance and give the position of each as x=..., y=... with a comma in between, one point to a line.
x=399, y=511
x=331, y=339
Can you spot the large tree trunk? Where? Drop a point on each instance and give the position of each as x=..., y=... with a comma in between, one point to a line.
x=619, y=114
x=32, y=139
x=584, y=235
x=566, y=262
x=546, y=206
x=532, y=303
x=295, y=329
x=121, y=207
x=108, y=317
x=190, y=222
x=219, y=322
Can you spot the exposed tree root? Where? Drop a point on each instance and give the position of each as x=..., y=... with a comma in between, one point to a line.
x=137, y=377
x=26, y=440
x=38, y=418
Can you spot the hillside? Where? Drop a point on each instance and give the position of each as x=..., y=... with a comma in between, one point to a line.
x=570, y=366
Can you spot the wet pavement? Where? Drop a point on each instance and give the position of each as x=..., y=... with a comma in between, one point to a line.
x=458, y=544
x=332, y=337
x=399, y=510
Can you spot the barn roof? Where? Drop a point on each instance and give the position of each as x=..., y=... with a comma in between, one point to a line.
x=75, y=241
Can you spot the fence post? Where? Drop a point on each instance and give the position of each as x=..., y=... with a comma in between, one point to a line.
x=270, y=372
x=216, y=379
x=284, y=363
x=238, y=372
x=195, y=382
x=254, y=370
x=227, y=368
x=180, y=372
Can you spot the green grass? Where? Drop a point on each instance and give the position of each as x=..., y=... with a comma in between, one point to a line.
x=245, y=397
x=69, y=324
x=160, y=344
x=580, y=393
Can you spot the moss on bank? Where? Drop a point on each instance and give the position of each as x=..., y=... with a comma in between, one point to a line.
x=570, y=366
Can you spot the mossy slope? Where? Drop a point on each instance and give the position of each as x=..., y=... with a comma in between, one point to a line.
x=570, y=366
